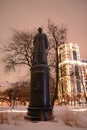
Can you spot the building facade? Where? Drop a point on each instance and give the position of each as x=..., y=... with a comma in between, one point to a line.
x=72, y=81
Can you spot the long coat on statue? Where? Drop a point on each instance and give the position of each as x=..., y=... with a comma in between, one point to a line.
x=40, y=46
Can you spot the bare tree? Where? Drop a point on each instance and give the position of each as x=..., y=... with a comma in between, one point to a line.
x=57, y=36
x=18, y=50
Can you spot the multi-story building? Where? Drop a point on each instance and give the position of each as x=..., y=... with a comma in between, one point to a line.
x=71, y=79
x=84, y=73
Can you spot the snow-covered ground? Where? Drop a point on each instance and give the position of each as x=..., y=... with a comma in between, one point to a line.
x=66, y=118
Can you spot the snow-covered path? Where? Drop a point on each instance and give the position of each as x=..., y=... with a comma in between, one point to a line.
x=66, y=118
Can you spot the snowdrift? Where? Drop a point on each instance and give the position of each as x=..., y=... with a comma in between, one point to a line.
x=65, y=118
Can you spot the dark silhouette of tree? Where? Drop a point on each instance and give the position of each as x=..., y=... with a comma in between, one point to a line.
x=57, y=36
x=9, y=93
x=18, y=50
x=20, y=91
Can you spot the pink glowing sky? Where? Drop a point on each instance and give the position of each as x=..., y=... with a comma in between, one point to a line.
x=30, y=14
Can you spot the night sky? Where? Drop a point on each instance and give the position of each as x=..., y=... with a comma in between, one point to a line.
x=30, y=14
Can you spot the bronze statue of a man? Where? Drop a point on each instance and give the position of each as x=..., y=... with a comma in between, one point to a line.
x=40, y=46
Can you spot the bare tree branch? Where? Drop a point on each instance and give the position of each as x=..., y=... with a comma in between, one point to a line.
x=18, y=50
x=57, y=36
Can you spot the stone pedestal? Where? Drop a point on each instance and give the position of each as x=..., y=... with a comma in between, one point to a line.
x=39, y=103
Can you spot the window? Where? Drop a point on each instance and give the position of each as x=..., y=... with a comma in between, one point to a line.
x=74, y=55
x=78, y=86
x=76, y=70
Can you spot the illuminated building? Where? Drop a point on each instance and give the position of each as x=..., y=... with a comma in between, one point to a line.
x=84, y=73
x=71, y=78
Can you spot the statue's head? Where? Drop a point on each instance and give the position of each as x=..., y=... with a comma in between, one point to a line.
x=40, y=30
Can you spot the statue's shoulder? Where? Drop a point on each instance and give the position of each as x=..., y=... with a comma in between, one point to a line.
x=45, y=36
x=40, y=35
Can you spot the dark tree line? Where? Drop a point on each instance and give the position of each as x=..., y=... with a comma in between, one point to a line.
x=19, y=92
